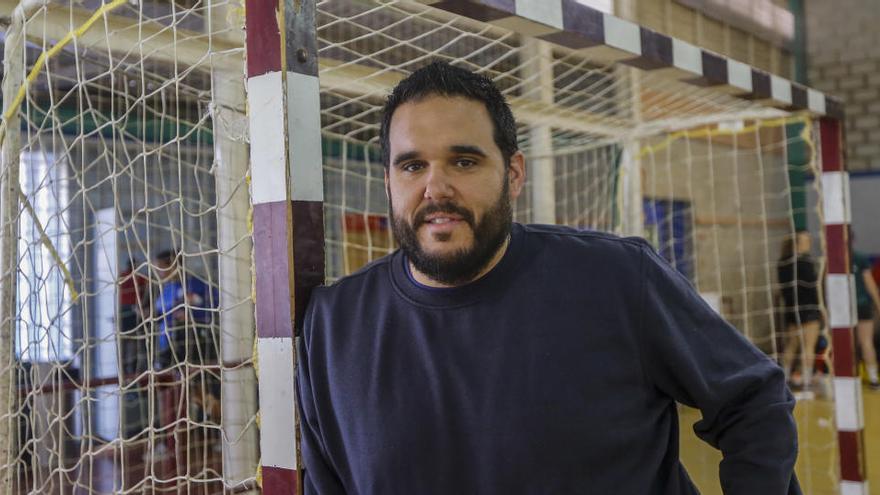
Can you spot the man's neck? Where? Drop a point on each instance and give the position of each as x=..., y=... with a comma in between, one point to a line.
x=430, y=282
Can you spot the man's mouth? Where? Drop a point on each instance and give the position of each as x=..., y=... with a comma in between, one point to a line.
x=442, y=219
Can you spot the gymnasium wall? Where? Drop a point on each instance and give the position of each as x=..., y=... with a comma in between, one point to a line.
x=843, y=52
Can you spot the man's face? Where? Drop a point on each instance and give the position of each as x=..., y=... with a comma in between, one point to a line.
x=804, y=242
x=165, y=269
x=448, y=187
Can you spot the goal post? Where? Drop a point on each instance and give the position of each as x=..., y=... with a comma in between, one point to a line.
x=9, y=210
x=287, y=192
x=840, y=284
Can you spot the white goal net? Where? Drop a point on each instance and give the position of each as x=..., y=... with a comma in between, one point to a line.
x=127, y=346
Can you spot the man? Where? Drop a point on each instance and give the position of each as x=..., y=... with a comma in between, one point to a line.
x=184, y=307
x=867, y=298
x=489, y=357
x=799, y=283
x=184, y=302
x=133, y=305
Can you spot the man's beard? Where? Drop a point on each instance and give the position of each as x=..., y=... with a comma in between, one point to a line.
x=462, y=265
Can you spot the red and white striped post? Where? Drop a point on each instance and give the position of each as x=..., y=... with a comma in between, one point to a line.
x=287, y=194
x=840, y=293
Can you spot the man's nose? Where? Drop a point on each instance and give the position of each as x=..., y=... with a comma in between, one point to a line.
x=438, y=186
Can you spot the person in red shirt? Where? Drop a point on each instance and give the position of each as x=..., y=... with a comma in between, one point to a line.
x=133, y=302
x=875, y=274
x=875, y=270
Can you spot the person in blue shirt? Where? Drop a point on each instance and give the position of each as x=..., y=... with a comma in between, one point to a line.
x=185, y=306
x=186, y=344
x=488, y=357
x=183, y=301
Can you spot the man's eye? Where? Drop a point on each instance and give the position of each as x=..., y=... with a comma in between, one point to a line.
x=465, y=163
x=411, y=167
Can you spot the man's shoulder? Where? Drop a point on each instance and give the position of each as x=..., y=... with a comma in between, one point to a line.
x=598, y=257
x=372, y=273
x=598, y=242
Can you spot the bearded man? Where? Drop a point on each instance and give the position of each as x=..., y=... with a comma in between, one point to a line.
x=486, y=357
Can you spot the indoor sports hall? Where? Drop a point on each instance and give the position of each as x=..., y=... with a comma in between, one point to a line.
x=177, y=175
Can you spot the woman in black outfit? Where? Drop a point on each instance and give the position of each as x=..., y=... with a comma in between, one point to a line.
x=800, y=294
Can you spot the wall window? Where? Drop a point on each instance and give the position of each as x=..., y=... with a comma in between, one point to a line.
x=44, y=305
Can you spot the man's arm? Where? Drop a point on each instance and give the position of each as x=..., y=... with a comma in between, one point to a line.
x=693, y=355
x=319, y=477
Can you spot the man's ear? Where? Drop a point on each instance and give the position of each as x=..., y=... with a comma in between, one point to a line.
x=516, y=175
x=387, y=185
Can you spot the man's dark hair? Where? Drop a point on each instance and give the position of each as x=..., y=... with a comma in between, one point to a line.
x=167, y=256
x=442, y=79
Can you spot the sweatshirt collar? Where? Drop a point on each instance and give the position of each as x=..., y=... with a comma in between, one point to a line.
x=491, y=283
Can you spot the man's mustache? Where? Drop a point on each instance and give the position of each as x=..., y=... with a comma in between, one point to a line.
x=450, y=208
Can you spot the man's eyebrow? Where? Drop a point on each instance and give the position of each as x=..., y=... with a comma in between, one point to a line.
x=409, y=155
x=468, y=149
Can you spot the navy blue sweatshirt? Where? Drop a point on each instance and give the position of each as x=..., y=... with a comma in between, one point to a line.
x=555, y=373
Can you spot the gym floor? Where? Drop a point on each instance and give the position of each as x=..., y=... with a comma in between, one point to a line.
x=817, y=459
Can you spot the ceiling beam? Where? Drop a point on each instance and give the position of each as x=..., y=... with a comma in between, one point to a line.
x=150, y=40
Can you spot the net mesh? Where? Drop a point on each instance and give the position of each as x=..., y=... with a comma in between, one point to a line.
x=133, y=148
x=132, y=328
x=718, y=205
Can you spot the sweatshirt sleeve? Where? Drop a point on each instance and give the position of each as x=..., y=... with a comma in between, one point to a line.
x=693, y=355
x=319, y=476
